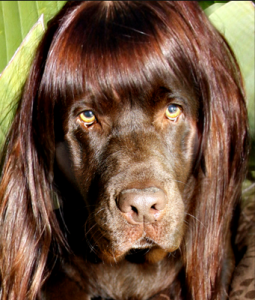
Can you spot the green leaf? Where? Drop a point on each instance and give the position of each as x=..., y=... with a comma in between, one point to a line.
x=212, y=8
x=236, y=20
x=206, y=4
x=16, y=19
x=14, y=75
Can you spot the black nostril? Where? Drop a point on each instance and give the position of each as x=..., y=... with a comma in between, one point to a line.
x=134, y=209
x=153, y=206
x=142, y=205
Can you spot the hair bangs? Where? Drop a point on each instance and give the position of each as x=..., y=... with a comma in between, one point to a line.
x=104, y=51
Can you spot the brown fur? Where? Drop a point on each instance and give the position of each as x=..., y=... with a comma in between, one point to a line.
x=134, y=205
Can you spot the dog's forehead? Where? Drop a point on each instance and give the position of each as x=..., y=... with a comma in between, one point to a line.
x=118, y=108
x=137, y=103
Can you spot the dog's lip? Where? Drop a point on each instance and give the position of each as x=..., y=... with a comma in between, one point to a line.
x=141, y=247
x=148, y=243
x=143, y=243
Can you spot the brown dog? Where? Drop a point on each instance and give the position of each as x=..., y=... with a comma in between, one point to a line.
x=125, y=160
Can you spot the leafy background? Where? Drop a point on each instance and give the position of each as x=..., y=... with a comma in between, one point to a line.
x=22, y=24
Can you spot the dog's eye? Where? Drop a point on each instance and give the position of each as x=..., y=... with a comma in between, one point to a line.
x=173, y=112
x=87, y=117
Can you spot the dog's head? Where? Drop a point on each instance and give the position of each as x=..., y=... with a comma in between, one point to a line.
x=134, y=100
x=140, y=106
x=129, y=134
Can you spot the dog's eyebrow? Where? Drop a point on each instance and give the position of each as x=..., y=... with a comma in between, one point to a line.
x=90, y=101
x=82, y=99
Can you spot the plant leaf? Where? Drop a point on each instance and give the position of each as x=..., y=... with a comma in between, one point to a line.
x=14, y=75
x=236, y=20
x=211, y=9
x=16, y=19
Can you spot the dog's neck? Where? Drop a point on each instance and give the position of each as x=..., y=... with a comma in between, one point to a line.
x=106, y=280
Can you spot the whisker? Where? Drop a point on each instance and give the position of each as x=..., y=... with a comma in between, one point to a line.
x=196, y=219
x=87, y=232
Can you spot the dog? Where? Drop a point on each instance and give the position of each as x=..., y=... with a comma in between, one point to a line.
x=122, y=170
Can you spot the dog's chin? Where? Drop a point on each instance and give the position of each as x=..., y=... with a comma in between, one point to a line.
x=144, y=250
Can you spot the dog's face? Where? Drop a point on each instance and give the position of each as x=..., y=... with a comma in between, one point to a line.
x=130, y=159
x=129, y=138
x=127, y=120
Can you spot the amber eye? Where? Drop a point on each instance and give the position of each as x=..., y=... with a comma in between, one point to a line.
x=87, y=117
x=173, y=112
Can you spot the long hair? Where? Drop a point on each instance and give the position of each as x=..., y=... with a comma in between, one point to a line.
x=104, y=48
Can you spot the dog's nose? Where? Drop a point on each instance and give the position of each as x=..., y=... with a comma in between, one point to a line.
x=142, y=205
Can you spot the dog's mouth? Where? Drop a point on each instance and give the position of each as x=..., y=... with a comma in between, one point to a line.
x=143, y=244
x=139, y=242
x=146, y=243
x=143, y=250
x=137, y=256
x=149, y=255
